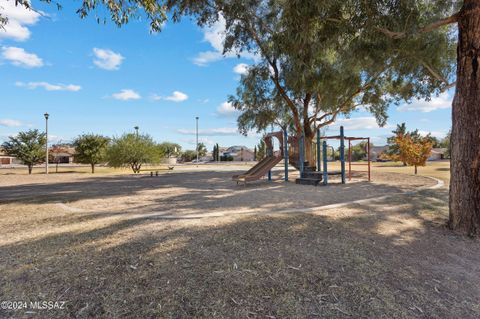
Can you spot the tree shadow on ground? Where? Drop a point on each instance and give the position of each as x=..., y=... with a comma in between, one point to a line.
x=184, y=194
x=389, y=259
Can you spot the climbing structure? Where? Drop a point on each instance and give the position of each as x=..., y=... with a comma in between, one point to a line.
x=292, y=153
x=311, y=174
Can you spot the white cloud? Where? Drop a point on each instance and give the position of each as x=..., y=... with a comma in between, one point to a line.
x=20, y=57
x=107, y=59
x=241, y=68
x=176, y=96
x=50, y=87
x=222, y=131
x=215, y=36
x=357, y=123
x=10, y=123
x=204, y=58
x=227, y=109
x=443, y=101
x=18, y=18
x=126, y=94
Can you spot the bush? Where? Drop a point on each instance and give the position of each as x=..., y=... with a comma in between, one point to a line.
x=226, y=158
x=188, y=156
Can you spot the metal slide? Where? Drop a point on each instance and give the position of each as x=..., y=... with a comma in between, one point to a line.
x=259, y=170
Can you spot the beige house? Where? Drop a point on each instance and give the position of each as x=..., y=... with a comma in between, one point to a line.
x=239, y=153
x=61, y=155
x=376, y=151
x=6, y=160
x=437, y=154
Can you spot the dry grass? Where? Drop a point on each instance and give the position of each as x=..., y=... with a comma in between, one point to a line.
x=437, y=169
x=388, y=258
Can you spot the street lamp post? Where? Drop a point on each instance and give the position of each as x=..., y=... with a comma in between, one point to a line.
x=136, y=130
x=46, y=142
x=196, y=118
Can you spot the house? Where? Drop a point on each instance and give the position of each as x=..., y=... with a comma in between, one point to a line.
x=61, y=155
x=6, y=159
x=375, y=152
x=239, y=153
x=437, y=154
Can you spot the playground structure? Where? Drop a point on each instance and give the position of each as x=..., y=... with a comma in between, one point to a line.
x=293, y=153
x=265, y=166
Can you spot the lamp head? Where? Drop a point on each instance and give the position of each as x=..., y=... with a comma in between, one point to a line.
x=46, y=115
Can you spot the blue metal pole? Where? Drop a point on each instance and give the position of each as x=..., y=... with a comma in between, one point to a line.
x=301, y=155
x=319, y=161
x=285, y=141
x=325, y=175
x=270, y=175
x=342, y=153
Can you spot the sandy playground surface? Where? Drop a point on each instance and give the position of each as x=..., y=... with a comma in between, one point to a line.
x=195, y=245
x=197, y=193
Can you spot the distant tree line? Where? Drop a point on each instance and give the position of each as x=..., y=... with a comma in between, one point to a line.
x=128, y=150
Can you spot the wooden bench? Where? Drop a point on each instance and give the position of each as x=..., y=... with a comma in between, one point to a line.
x=155, y=172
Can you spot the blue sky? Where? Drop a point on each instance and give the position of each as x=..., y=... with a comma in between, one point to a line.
x=101, y=79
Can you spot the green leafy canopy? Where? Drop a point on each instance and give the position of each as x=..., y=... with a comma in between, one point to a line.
x=28, y=147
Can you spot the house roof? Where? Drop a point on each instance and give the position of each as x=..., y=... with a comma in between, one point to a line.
x=439, y=150
x=64, y=151
x=378, y=149
x=237, y=148
x=2, y=152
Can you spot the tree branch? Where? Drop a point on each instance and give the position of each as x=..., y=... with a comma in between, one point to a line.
x=428, y=28
x=438, y=76
x=275, y=78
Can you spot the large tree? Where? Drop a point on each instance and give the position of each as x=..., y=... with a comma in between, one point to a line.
x=91, y=149
x=28, y=147
x=132, y=150
x=169, y=149
x=311, y=66
x=421, y=20
x=118, y=11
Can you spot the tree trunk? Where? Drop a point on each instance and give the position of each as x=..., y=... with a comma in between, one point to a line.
x=93, y=168
x=30, y=169
x=309, y=151
x=416, y=171
x=308, y=140
x=465, y=144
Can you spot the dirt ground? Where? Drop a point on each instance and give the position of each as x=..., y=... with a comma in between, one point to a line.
x=194, y=244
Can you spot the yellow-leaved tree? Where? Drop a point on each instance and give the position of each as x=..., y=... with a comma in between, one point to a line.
x=414, y=151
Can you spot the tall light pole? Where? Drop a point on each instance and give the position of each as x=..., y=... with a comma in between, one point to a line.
x=136, y=130
x=196, y=118
x=46, y=142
